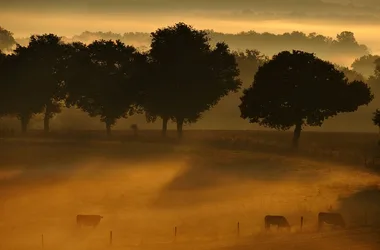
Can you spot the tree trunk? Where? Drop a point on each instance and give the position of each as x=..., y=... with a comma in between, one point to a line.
x=165, y=120
x=297, y=134
x=108, y=128
x=47, y=122
x=179, y=127
x=24, y=123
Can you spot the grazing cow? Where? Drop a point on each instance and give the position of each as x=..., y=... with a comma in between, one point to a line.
x=88, y=220
x=276, y=220
x=334, y=219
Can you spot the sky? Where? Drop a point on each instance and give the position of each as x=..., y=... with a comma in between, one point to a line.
x=71, y=17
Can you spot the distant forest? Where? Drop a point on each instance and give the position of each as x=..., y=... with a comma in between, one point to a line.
x=353, y=58
x=343, y=46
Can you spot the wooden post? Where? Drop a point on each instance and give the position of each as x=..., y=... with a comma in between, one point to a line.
x=238, y=229
x=42, y=240
x=301, y=222
x=175, y=233
x=110, y=238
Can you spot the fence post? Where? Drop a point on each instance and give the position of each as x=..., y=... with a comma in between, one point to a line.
x=238, y=229
x=111, y=238
x=301, y=223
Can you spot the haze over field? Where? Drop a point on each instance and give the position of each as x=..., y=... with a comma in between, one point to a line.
x=144, y=190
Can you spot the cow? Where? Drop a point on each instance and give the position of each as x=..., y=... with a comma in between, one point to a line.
x=334, y=219
x=88, y=220
x=276, y=220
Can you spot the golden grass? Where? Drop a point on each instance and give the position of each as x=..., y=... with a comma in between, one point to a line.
x=204, y=185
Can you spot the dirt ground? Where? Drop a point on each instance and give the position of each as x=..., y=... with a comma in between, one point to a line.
x=204, y=186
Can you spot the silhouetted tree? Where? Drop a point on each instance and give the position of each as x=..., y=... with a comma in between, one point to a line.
x=365, y=65
x=101, y=79
x=7, y=40
x=47, y=52
x=73, y=71
x=22, y=96
x=188, y=76
x=346, y=37
x=298, y=89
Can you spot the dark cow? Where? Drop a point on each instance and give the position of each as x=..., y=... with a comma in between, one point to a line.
x=276, y=220
x=88, y=220
x=334, y=219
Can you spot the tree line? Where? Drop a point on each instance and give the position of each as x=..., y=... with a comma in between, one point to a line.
x=344, y=43
x=179, y=78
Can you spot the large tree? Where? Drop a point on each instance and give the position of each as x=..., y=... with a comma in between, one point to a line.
x=188, y=76
x=47, y=51
x=21, y=90
x=102, y=79
x=298, y=89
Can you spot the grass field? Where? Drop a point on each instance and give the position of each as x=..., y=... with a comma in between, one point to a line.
x=203, y=185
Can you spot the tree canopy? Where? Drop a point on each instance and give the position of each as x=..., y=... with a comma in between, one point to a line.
x=188, y=76
x=101, y=79
x=298, y=89
x=47, y=52
x=183, y=75
x=21, y=95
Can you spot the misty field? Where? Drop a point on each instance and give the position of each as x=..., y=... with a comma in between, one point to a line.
x=204, y=185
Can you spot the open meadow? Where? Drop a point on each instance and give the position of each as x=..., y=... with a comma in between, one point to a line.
x=204, y=185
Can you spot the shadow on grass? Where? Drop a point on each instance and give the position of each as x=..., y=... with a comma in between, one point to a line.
x=45, y=163
x=210, y=169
